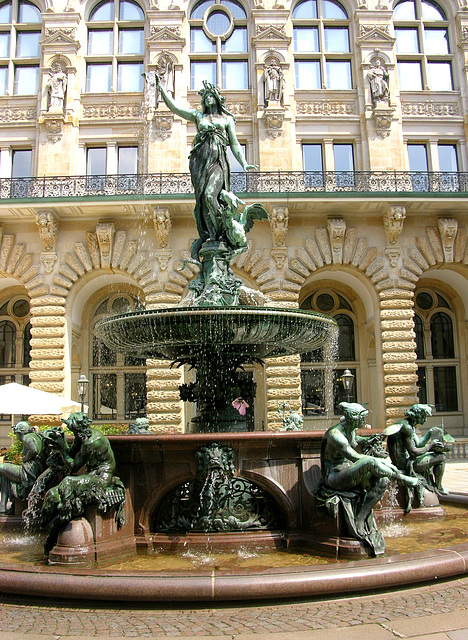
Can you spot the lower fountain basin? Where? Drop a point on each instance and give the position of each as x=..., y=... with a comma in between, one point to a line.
x=251, y=332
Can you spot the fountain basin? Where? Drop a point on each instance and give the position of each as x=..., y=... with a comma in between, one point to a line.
x=240, y=332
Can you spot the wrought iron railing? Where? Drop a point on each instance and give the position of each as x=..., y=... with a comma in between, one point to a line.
x=299, y=182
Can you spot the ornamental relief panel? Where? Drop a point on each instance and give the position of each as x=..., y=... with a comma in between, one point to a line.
x=326, y=108
x=111, y=111
x=12, y=114
x=430, y=108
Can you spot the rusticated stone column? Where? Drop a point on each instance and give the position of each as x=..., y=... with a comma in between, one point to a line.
x=398, y=352
x=48, y=348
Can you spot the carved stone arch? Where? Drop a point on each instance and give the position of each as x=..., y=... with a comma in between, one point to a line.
x=60, y=59
x=384, y=58
x=273, y=54
x=17, y=263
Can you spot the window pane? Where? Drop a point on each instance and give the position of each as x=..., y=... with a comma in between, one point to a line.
x=448, y=157
x=308, y=74
x=102, y=355
x=306, y=39
x=237, y=41
x=338, y=74
x=3, y=80
x=436, y=41
x=235, y=164
x=313, y=392
x=236, y=9
x=409, y=76
x=28, y=13
x=104, y=11
x=27, y=345
x=135, y=395
x=442, y=336
x=96, y=161
x=346, y=349
x=336, y=39
x=199, y=42
x=4, y=45
x=417, y=154
x=104, y=396
x=333, y=10
x=5, y=13
x=131, y=41
x=343, y=154
x=312, y=157
x=200, y=71
x=7, y=344
x=129, y=76
x=26, y=81
x=218, y=23
x=128, y=160
x=99, y=78
x=100, y=42
x=440, y=76
x=27, y=44
x=21, y=163
x=339, y=392
x=404, y=11
x=445, y=389
x=130, y=11
x=305, y=10
x=422, y=386
x=431, y=11
x=407, y=40
x=235, y=75
x=419, y=337
x=199, y=10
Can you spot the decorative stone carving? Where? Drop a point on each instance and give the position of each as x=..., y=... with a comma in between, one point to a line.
x=67, y=31
x=54, y=126
x=394, y=218
x=326, y=108
x=383, y=121
x=274, y=121
x=165, y=72
x=48, y=259
x=10, y=114
x=56, y=86
x=429, y=108
x=105, y=232
x=239, y=108
x=378, y=78
x=393, y=254
x=273, y=80
x=373, y=30
x=162, y=225
x=166, y=33
x=111, y=111
x=48, y=228
x=163, y=125
x=279, y=255
x=336, y=231
x=279, y=220
x=448, y=228
x=265, y=28
x=163, y=256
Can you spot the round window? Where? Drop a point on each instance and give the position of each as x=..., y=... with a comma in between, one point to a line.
x=120, y=305
x=424, y=300
x=325, y=302
x=20, y=308
x=218, y=23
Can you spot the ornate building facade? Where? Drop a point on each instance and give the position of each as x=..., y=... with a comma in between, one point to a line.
x=355, y=114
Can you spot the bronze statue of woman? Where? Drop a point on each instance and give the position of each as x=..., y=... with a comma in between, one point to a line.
x=209, y=164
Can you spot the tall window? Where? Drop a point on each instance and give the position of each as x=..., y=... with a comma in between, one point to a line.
x=424, y=51
x=115, y=47
x=15, y=338
x=20, y=51
x=446, y=179
x=437, y=359
x=219, y=45
x=343, y=165
x=118, y=381
x=322, y=370
x=321, y=45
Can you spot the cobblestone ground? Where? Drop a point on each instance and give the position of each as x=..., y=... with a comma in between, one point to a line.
x=39, y=617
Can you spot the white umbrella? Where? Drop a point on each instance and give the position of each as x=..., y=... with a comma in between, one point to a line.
x=18, y=399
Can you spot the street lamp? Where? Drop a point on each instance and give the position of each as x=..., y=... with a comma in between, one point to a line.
x=83, y=383
x=347, y=379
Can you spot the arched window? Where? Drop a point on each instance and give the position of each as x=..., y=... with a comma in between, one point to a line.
x=321, y=45
x=20, y=49
x=7, y=344
x=424, y=50
x=438, y=363
x=115, y=51
x=219, y=45
x=321, y=378
x=118, y=382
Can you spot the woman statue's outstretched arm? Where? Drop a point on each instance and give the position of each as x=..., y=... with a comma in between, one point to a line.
x=235, y=146
x=187, y=114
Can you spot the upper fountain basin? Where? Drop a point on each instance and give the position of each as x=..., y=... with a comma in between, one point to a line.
x=179, y=332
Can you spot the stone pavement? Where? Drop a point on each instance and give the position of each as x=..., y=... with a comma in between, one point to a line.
x=434, y=612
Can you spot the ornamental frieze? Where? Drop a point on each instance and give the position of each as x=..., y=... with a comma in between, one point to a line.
x=15, y=114
x=164, y=33
x=66, y=31
x=372, y=30
x=326, y=108
x=112, y=111
x=429, y=108
x=262, y=28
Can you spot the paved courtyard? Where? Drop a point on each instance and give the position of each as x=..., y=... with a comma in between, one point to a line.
x=434, y=612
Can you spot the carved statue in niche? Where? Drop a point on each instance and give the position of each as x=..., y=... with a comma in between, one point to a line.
x=378, y=78
x=56, y=86
x=279, y=219
x=48, y=228
x=165, y=73
x=162, y=226
x=274, y=81
x=394, y=218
